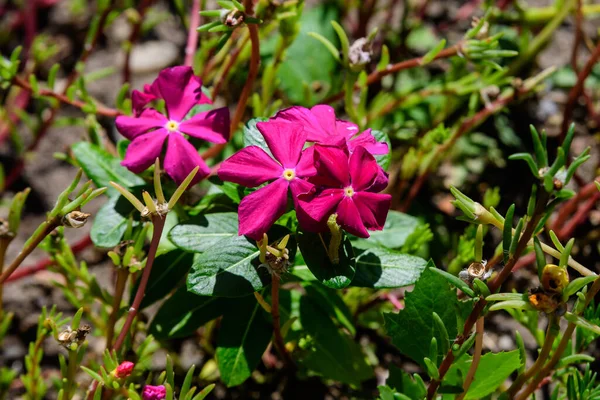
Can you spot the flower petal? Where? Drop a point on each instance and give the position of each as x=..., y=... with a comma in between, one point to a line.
x=346, y=129
x=140, y=99
x=212, y=126
x=306, y=165
x=363, y=169
x=284, y=140
x=182, y=158
x=373, y=208
x=325, y=115
x=380, y=183
x=250, y=167
x=259, y=210
x=332, y=166
x=180, y=89
x=349, y=218
x=131, y=127
x=300, y=187
x=143, y=150
x=321, y=206
x=368, y=141
x=305, y=118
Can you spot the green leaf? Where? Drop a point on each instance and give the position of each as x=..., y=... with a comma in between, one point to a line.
x=336, y=276
x=307, y=70
x=582, y=322
x=397, y=228
x=231, y=268
x=333, y=354
x=382, y=268
x=493, y=370
x=184, y=312
x=413, y=328
x=110, y=222
x=405, y=384
x=332, y=303
x=383, y=159
x=102, y=167
x=328, y=45
x=253, y=137
x=243, y=338
x=204, y=231
x=168, y=270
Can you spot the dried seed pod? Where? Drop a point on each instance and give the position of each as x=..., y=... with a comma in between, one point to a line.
x=554, y=278
x=476, y=270
x=360, y=52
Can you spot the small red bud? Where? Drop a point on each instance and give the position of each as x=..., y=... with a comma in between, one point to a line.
x=124, y=369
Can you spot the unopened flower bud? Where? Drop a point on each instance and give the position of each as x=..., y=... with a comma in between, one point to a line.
x=154, y=392
x=554, y=278
x=75, y=219
x=360, y=52
x=124, y=369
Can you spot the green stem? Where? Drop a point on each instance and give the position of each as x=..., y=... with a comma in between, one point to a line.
x=122, y=274
x=560, y=349
x=71, y=372
x=541, y=39
x=159, y=224
x=551, y=332
x=4, y=242
x=43, y=230
x=476, y=358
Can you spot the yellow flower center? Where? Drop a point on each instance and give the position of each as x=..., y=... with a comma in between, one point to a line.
x=349, y=191
x=172, y=126
x=289, y=174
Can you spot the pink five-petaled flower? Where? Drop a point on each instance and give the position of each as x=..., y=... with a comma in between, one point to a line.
x=154, y=392
x=252, y=166
x=150, y=129
x=321, y=126
x=350, y=190
x=124, y=369
x=185, y=78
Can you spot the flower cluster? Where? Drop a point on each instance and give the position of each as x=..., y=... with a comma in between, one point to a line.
x=336, y=175
x=148, y=129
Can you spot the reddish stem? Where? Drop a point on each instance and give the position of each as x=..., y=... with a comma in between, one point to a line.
x=41, y=265
x=192, y=41
x=376, y=76
x=159, y=223
x=577, y=90
x=580, y=216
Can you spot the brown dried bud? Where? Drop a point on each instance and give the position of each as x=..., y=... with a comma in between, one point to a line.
x=476, y=270
x=75, y=219
x=277, y=265
x=5, y=229
x=68, y=337
x=233, y=18
x=360, y=52
x=542, y=301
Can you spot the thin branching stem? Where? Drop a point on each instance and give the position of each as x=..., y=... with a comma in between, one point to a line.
x=159, y=223
x=30, y=245
x=122, y=274
x=476, y=358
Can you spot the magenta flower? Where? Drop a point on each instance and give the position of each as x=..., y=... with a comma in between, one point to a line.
x=181, y=77
x=350, y=187
x=148, y=131
x=288, y=168
x=154, y=392
x=321, y=126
